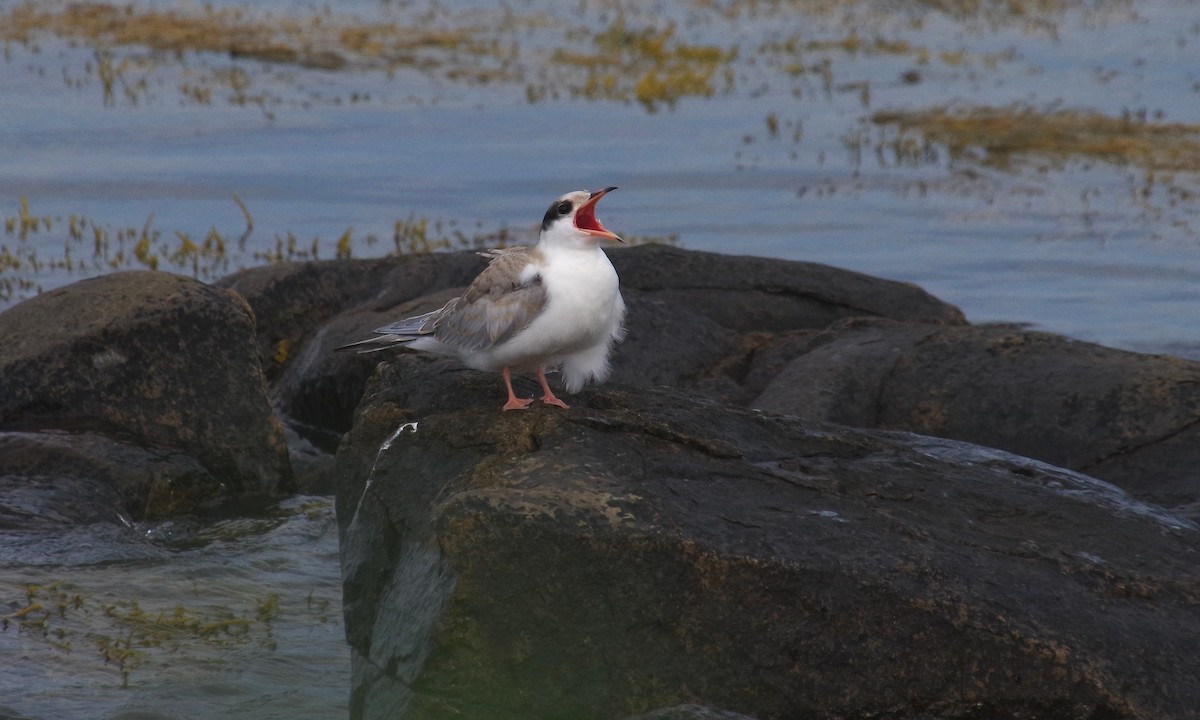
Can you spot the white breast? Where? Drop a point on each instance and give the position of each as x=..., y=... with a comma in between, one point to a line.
x=582, y=318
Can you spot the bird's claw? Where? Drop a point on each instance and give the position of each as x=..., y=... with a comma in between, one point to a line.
x=516, y=403
x=551, y=400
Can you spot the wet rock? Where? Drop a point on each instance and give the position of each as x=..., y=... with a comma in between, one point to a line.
x=646, y=549
x=155, y=381
x=54, y=479
x=1129, y=418
x=312, y=467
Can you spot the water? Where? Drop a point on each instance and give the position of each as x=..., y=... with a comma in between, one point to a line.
x=1099, y=251
x=258, y=634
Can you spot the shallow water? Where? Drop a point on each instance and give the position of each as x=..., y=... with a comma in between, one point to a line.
x=258, y=632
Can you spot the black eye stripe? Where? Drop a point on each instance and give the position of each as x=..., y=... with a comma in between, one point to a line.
x=558, y=209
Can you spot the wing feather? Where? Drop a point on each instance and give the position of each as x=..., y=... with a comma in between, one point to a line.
x=416, y=325
x=501, y=302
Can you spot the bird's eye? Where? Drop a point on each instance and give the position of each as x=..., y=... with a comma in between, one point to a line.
x=564, y=207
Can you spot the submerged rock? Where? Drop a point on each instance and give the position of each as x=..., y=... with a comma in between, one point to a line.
x=147, y=379
x=647, y=550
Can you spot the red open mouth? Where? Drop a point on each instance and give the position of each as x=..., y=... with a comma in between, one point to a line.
x=586, y=220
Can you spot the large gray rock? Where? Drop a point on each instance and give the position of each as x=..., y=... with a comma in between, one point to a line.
x=689, y=316
x=747, y=294
x=1129, y=418
x=788, y=337
x=647, y=550
x=148, y=379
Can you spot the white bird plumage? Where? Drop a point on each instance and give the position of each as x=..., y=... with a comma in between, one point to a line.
x=553, y=305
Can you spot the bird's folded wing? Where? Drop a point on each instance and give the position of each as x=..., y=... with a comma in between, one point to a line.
x=416, y=325
x=501, y=302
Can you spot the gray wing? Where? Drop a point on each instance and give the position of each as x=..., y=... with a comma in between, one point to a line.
x=416, y=325
x=501, y=302
x=398, y=333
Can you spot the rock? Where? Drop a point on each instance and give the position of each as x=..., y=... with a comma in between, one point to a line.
x=304, y=310
x=1129, y=418
x=55, y=479
x=689, y=317
x=690, y=712
x=791, y=338
x=668, y=343
x=312, y=468
x=319, y=388
x=155, y=378
x=748, y=294
x=292, y=300
x=646, y=549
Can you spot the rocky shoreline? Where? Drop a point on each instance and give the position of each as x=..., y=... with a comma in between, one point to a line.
x=795, y=498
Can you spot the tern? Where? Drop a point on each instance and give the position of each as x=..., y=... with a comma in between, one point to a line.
x=555, y=305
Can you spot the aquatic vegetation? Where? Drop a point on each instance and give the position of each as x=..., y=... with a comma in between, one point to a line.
x=1001, y=136
x=1033, y=16
x=235, y=31
x=123, y=634
x=241, y=612
x=1155, y=161
x=414, y=236
x=802, y=56
x=614, y=51
x=42, y=246
x=314, y=41
x=650, y=65
x=36, y=246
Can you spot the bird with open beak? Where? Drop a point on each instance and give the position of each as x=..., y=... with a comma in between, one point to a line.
x=555, y=305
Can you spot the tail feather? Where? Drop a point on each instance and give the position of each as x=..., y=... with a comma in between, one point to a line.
x=375, y=344
x=412, y=326
x=400, y=332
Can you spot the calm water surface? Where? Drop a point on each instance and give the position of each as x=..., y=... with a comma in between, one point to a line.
x=1099, y=251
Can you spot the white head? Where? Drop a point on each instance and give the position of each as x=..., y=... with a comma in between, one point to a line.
x=571, y=220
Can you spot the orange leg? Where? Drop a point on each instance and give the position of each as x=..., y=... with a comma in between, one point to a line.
x=547, y=394
x=514, y=402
